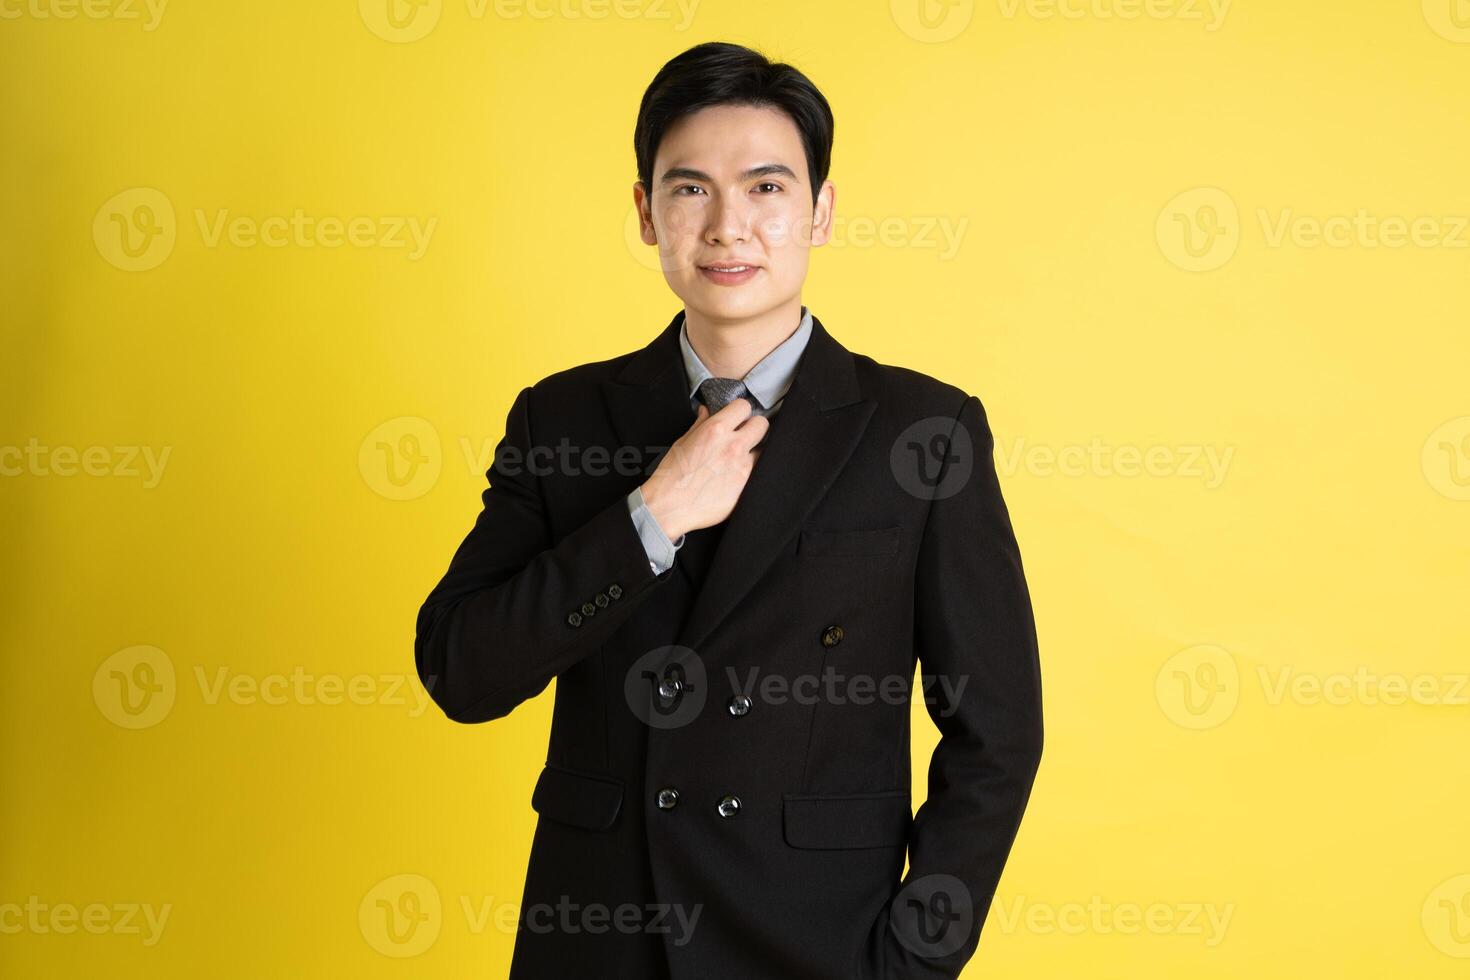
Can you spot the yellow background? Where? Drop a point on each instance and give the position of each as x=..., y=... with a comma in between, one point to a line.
x=1067, y=154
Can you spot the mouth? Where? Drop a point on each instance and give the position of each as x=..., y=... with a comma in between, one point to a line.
x=729, y=273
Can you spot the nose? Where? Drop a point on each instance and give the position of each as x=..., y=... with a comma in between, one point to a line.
x=729, y=223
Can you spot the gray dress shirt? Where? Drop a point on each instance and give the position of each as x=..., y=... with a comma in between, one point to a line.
x=767, y=383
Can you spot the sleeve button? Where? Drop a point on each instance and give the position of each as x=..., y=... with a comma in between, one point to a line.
x=575, y=618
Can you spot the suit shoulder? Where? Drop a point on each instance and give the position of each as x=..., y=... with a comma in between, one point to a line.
x=906, y=390
x=579, y=378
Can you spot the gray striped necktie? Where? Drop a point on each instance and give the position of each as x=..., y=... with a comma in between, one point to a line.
x=719, y=392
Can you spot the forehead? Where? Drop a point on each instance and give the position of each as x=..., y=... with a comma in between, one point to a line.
x=731, y=137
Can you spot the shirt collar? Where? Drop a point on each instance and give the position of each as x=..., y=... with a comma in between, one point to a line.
x=770, y=378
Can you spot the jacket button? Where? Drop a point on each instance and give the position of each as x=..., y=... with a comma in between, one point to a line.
x=831, y=636
x=667, y=798
x=575, y=618
x=615, y=590
x=739, y=705
x=601, y=600
x=588, y=609
x=729, y=806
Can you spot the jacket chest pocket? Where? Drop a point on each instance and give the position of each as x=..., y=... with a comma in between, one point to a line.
x=849, y=821
x=580, y=799
x=860, y=542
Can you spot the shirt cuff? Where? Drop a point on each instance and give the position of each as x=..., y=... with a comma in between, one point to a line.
x=655, y=542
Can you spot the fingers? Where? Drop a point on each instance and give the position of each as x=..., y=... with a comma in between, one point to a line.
x=754, y=429
x=736, y=412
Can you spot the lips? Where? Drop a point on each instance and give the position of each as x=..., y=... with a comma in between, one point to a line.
x=729, y=272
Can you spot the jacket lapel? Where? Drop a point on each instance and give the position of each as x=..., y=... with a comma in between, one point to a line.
x=648, y=402
x=810, y=440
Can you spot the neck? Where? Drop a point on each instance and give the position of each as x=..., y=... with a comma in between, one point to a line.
x=730, y=348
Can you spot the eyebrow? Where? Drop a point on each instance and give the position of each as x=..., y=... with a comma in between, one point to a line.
x=764, y=170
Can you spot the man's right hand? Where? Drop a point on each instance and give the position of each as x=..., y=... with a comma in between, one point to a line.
x=700, y=478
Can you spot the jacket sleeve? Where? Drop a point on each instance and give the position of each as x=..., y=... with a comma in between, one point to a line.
x=515, y=607
x=976, y=641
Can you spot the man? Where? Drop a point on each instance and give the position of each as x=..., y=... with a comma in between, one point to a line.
x=734, y=624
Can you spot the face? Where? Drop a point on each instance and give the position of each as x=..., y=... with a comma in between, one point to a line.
x=731, y=190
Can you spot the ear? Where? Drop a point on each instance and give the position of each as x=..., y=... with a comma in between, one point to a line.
x=822, y=213
x=644, y=204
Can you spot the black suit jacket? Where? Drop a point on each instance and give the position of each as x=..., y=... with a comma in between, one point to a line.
x=774, y=670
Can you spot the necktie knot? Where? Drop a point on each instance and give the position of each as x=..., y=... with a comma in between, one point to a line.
x=719, y=392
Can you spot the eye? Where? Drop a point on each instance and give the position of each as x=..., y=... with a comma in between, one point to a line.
x=688, y=187
x=769, y=184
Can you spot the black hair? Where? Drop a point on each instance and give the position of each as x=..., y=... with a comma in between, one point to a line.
x=720, y=73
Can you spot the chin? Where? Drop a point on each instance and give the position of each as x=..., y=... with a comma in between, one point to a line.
x=728, y=303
